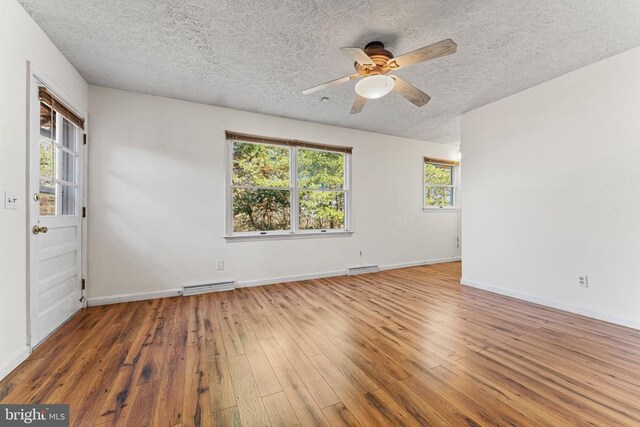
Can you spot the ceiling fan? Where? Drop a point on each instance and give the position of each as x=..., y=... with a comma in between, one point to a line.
x=374, y=63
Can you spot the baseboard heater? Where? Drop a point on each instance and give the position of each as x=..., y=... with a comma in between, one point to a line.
x=208, y=287
x=362, y=270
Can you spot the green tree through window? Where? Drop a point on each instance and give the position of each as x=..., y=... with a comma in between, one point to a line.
x=321, y=181
x=439, y=185
x=261, y=194
x=262, y=188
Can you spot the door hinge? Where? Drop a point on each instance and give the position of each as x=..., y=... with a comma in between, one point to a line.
x=84, y=212
x=84, y=139
x=83, y=284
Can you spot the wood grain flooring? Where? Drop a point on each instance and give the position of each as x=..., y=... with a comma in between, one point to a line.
x=402, y=347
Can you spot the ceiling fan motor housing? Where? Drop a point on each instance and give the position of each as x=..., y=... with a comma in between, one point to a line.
x=379, y=55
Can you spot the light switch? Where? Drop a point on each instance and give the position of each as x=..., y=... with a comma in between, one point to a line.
x=10, y=200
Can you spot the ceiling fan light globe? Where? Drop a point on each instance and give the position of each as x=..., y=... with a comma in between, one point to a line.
x=374, y=87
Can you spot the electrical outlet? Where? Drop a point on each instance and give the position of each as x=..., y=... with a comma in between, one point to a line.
x=220, y=264
x=583, y=281
x=360, y=253
x=10, y=201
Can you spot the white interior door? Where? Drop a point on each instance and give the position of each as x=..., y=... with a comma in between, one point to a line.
x=55, y=226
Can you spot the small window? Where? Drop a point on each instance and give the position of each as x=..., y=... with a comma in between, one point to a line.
x=321, y=192
x=439, y=184
x=261, y=187
x=59, y=157
x=278, y=187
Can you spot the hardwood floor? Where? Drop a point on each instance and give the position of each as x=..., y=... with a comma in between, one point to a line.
x=401, y=347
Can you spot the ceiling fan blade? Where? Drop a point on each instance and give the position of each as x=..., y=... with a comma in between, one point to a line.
x=359, y=56
x=331, y=83
x=409, y=91
x=436, y=50
x=358, y=104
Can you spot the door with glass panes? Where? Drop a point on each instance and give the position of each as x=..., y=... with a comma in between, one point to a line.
x=55, y=214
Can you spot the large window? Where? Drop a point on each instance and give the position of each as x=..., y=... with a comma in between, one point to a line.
x=440, y=183
x=287, y=187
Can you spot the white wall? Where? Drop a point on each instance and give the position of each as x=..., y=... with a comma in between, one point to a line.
x=21, y=40
x=157, y=191
x=552, y=191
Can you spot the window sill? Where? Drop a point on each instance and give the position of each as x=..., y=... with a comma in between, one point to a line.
x=287, y=236
x=451, y=209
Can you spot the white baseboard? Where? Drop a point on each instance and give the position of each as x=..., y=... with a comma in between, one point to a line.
x=114, y=299
x=584, y=311
x=19, y=357
x=419, y=263
x=285, y=279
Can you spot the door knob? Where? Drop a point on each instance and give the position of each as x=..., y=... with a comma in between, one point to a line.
x=37, y=229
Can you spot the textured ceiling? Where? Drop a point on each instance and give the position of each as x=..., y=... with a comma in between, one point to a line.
x=258, y=55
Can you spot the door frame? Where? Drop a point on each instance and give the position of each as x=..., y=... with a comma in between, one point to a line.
x=36, y=78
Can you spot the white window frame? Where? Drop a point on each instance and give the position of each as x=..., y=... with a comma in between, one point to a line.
x=455, y=170
x=58, y=149
x=294, y=191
